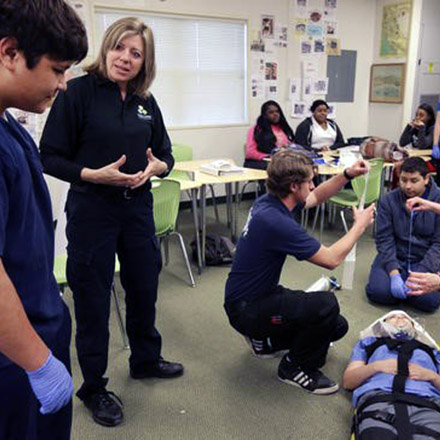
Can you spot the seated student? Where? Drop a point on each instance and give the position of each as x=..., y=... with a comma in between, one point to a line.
x=420, y=131
x=406, y=241
x=318, y=131
x=271, y=131
x=393, y=371
x=257, y=306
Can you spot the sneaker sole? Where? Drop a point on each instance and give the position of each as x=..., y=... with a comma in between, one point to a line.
x=319, y=391
x=107, y=424
x=273, y=355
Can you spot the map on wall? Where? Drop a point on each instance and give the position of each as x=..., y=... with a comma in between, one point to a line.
x=395, y=30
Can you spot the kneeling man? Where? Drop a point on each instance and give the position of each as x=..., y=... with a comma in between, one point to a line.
x=257, y=306
x=406, y=241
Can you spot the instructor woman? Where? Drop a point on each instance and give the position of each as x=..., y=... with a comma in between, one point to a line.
x=106, y=136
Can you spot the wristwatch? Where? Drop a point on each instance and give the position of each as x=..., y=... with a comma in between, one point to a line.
x=347, y=176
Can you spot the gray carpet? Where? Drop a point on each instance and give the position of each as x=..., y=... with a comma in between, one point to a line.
x=226, y=393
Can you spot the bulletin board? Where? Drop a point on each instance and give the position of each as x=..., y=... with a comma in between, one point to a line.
x=341, y=72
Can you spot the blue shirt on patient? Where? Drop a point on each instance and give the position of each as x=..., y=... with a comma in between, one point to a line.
x=384, y=381
x=270, y=234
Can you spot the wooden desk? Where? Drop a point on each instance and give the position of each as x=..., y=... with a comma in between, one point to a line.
x=232, y=194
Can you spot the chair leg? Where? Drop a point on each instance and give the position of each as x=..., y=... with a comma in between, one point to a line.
x=315, y=218
x=185, y=257
x=166, y=248
x=119, y=318
x=214, y=202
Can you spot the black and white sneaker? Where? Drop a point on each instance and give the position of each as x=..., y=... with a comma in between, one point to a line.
x=262, y=348
x=313, y=381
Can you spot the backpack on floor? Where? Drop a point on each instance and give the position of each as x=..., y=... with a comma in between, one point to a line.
x=218, y=250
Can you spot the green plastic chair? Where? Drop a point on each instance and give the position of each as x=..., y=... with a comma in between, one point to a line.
x=59, y=272
x=183, y=153
x=166, y=198
x=347, y=198
x=351, y=197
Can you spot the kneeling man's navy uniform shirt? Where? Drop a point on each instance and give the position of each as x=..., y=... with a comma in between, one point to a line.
x=26, y=230
x=270, y=234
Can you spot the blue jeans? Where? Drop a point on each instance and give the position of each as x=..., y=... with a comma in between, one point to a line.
x=378, y=288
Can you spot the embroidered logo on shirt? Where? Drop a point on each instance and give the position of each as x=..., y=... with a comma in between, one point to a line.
x=143, y=113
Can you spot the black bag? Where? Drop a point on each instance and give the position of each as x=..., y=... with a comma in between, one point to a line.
x=218, y=250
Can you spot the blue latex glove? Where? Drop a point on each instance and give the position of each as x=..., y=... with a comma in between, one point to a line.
x=435, y=152
x=52, y=385
x=398, y=288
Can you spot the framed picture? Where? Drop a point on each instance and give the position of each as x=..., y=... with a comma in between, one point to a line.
x=387, y=83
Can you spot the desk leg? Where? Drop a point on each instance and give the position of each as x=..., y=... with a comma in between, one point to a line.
x=203, y=220
x=196, y=227
x=235, y=212
x=228, y=189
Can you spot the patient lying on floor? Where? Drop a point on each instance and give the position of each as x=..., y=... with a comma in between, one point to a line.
x=394, y=375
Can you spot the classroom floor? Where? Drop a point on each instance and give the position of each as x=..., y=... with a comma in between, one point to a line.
x=226, y=393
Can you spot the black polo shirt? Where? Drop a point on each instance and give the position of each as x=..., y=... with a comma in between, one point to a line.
x=26, y=231
x=90, y=126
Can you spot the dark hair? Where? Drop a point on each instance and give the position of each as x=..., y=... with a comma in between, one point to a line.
x=285, y=168
x=263, y=134
x=430, y=112
x=317, y=103
x=414, y=165
x=43, y=27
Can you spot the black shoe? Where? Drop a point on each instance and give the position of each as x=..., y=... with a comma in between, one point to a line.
x=162, y=369
x=106, y=408
x=311, y=380
x=262, y=348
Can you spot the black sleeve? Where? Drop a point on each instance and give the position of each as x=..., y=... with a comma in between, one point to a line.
x=59, y=141
x=424, y=138
x=406, y=137
x=302, y=134
x=339, y=142
x=160, y=142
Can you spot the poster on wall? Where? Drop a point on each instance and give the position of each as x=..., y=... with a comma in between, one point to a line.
x=310, y=68
x=294, y=89
x=320, y=86
x=331, y=110
x=271, y=71
x=257, y=87
x=318, y=45
x=299, y=27
x=299, y=109
x=281, y=35
x=306, y=46
x=300, y=7
x=267, y=26
x=330, y=28
x=314, y=30
x=307, y=87
x=271, y=90
x=395, y=30
x=333, y=46
x=315, y=16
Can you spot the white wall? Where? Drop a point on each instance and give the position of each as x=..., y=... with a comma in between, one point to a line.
x=355, y=31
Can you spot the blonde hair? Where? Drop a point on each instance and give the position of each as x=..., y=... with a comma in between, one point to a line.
x=115, y=33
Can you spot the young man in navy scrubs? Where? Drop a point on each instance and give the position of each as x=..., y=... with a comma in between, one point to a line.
x=257, y=306
x=39, y=40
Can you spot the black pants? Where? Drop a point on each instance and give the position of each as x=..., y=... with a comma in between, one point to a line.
x=20, y=417
x=98, y=227
x=305, y=323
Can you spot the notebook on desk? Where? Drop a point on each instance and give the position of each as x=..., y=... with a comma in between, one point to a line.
x=220, y=168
